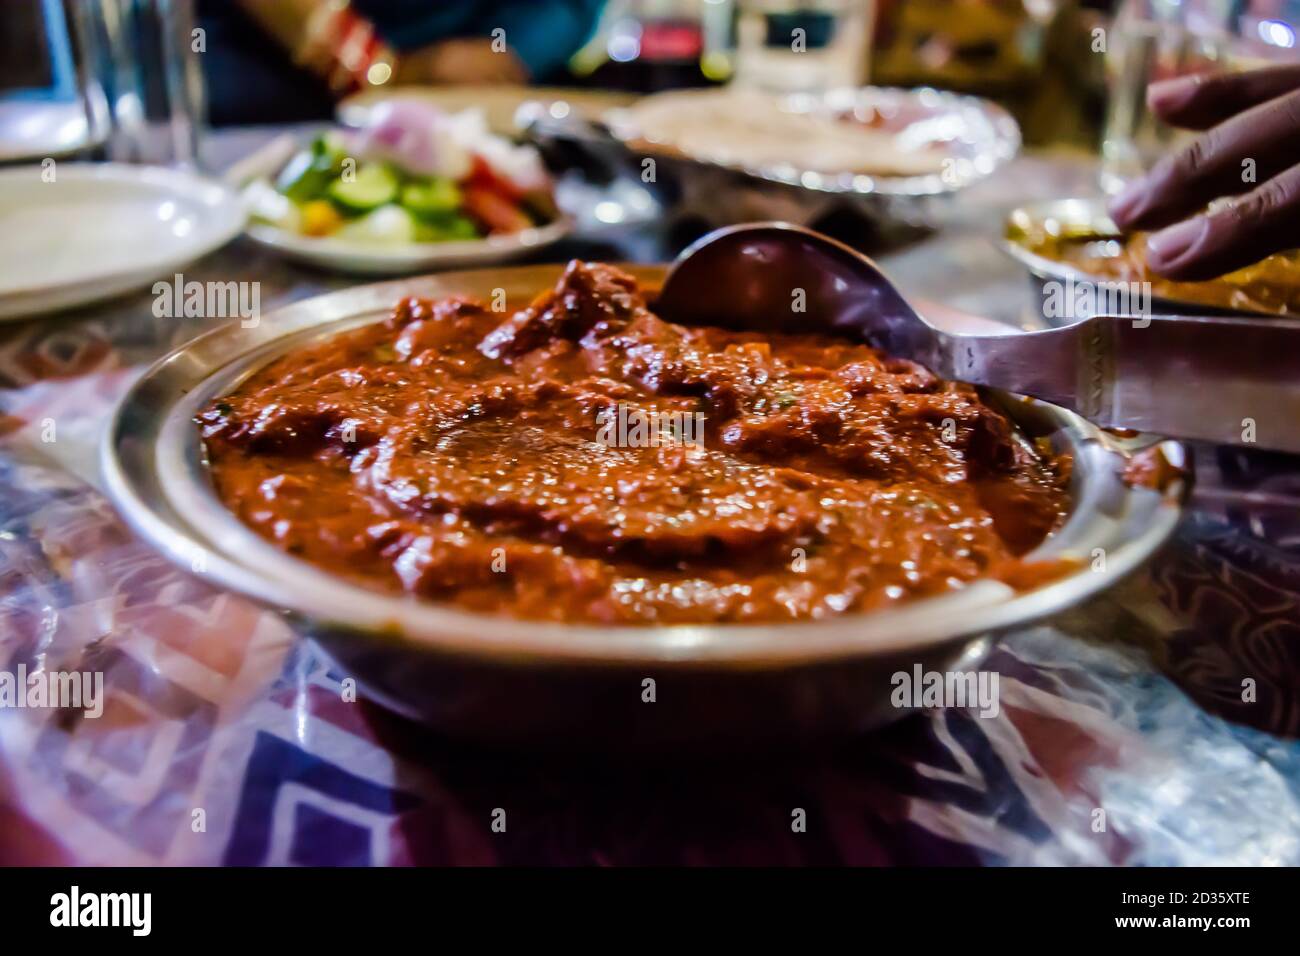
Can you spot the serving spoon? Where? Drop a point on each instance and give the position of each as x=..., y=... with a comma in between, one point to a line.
x=1228, y=380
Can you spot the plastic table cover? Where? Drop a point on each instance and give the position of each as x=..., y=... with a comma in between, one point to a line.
x=225, y=739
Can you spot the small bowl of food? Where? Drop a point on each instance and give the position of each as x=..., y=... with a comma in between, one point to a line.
x=414, y=189
x=1077, y=256
x=571, y=520
x=857, y=141
x=887, y=155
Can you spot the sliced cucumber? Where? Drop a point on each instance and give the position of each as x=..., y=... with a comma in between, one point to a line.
x=445, y=228
x=330, y=149
x=304, y=177
x=387, y=225
x=373, y=186
x=429, y=198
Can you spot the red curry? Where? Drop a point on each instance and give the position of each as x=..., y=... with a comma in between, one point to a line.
x=460, y=457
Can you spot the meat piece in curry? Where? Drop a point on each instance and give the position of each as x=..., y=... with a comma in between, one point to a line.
x=465, y=457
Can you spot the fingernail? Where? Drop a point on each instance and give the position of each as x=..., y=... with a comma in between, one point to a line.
x=1124, y=204
x=1170, y=93
x=1167, y=245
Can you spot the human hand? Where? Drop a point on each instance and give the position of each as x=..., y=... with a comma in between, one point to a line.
x=1251, y=150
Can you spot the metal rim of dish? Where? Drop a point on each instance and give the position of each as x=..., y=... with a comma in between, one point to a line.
x=377, y=258
x=1089, y=213
x=154, y=473
x=998, y=142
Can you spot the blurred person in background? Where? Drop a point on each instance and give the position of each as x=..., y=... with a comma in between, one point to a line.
x=270, y=61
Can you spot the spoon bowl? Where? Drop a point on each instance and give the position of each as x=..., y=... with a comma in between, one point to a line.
x=1229, y=380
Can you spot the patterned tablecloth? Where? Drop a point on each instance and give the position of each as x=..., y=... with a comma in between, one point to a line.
x=225, y=739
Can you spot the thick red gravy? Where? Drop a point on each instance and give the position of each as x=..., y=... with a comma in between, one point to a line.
x=480, y=462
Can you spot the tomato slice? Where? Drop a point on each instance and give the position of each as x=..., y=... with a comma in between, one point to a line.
x=494, y=212
x=483, y=176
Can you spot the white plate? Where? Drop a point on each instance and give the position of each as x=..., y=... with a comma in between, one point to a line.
x=374, y=259
x=32, y=130
x=102, y=229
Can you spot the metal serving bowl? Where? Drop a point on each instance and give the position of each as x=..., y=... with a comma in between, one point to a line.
x=1082, y=216
x=499, y=679
x=976, y=135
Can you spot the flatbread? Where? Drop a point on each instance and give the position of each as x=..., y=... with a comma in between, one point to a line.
x=749, y=128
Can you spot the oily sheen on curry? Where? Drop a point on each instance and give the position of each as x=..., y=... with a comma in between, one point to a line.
x=464, y=456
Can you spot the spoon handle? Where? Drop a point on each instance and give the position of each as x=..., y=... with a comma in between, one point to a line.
x=1228, y=380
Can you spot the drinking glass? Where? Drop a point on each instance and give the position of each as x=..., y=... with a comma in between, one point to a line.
x=144, y=54
x=48, y=109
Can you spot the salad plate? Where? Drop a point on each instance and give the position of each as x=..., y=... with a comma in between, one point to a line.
x=369, y=259
x=414, y=189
